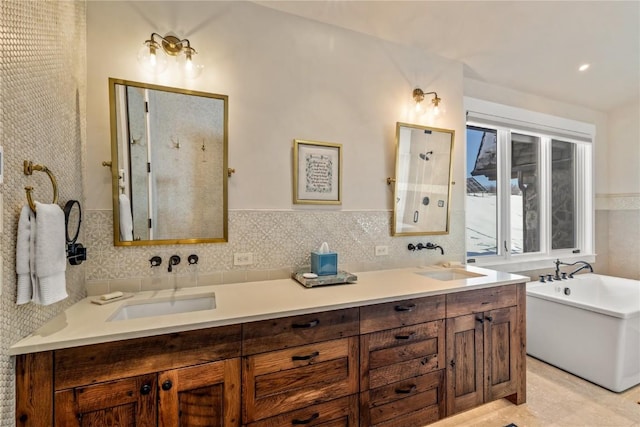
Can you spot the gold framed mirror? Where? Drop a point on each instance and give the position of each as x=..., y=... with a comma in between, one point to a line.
x=169, y=164
x=422, y=187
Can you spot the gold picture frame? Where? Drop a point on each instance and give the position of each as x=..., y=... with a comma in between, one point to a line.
x=317, y=173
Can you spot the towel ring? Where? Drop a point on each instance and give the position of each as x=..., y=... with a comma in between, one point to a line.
x=29, y=167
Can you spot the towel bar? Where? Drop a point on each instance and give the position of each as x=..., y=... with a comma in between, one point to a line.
x=29, y=167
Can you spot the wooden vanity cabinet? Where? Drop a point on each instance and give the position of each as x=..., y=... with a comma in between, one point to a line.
x=186, y=378
x=402, y=355
x=301, y=370
x=405, y=363
x=486, y=355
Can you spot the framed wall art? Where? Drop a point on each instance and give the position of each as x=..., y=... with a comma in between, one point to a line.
x=317, y=172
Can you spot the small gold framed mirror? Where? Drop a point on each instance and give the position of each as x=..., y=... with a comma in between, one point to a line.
x=422, y=185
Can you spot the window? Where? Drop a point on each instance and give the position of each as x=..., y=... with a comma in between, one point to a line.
x=528, y=186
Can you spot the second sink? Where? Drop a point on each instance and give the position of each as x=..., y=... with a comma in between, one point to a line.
x=450, y=274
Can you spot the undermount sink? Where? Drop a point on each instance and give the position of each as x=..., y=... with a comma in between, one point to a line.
x=163, y=306
x=450, y=274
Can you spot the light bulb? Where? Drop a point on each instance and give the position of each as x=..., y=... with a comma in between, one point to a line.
x=437, y=107
x=189, y=64
x=152, y=58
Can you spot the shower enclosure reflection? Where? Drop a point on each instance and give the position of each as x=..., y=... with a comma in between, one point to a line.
x=169, y=164
x=423, y=180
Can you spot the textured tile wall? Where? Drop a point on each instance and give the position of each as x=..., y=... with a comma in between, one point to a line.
x=619, y=232
x=279, y=240
x=624, y=243
x=42, y=118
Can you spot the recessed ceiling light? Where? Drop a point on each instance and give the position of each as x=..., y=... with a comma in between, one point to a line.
x=584, y=67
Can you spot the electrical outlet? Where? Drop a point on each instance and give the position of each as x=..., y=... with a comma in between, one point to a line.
x=382, y=250
x=244, y=258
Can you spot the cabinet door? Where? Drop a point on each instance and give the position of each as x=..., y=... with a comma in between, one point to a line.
x=465, y=386
x=201, y=395
x=126, y=402
x=501, y=353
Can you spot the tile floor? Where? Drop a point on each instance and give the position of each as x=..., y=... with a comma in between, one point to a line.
x=556, y=398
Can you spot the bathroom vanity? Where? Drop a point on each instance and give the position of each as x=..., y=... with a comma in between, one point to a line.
x=401, y=347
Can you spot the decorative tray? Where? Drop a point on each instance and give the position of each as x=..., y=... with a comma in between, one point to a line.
x=341, y=278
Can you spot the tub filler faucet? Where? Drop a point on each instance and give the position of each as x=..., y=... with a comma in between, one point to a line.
x=583, y=265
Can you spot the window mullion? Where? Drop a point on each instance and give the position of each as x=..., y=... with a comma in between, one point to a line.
x=504, y=188
x=545, y=196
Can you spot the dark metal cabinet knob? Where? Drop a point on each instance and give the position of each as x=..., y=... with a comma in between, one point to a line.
x=145, y=389
x=166, y=386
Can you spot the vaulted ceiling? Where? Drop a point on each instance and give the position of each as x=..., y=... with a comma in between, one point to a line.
x=531, y=46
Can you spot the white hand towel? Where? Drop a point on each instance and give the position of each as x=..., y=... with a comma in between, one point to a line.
x=126, y=222
x=23, y=256
x=50, y=254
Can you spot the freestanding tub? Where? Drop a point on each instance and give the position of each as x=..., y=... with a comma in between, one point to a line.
x=589, y=326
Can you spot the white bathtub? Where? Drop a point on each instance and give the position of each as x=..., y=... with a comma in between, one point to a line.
x=593, y=332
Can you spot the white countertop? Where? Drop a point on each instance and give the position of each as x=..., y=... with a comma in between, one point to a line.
x=86, y=323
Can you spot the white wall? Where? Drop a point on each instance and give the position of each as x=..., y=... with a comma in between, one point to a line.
x=623, y=150
x=621, y=204
x=286, y=78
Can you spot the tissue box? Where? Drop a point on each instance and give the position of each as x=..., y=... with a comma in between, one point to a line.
x=324, y=264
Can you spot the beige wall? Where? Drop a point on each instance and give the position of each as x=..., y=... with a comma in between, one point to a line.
x=42, y=118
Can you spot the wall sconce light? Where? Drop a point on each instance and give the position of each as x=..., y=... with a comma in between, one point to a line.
x=435, y=107
x=153, y=54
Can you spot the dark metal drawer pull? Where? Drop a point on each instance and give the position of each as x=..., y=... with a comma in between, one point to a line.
x=405, y=337
x=307, y=325
x=489, y=318
x=408, y=307
x=307, y=421
x=307, y=357
x=480, y=319
x=407, y=390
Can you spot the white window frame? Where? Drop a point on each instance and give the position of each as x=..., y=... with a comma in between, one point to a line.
x=506, y=119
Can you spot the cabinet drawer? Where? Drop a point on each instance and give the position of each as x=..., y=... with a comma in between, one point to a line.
x=412, y=402
x=100, y=362
x=336, y=413
x=391, y=356
x=379, y=317
x=293, y=331
x=467, y=302
x=286, y=380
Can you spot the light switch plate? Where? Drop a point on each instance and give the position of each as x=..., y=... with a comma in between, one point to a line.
x=382, y=250
x=245, y=258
